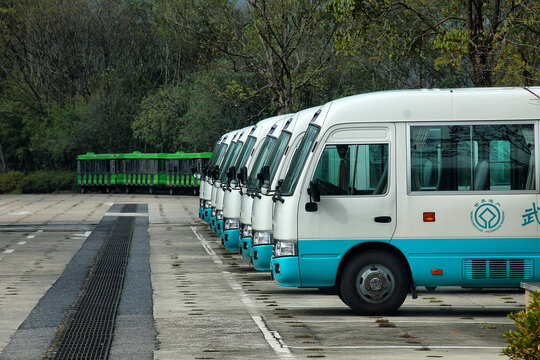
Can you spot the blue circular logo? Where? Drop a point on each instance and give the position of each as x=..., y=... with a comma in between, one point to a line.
x=487, y=217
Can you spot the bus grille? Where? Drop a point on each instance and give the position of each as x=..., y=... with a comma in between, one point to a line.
x=474, y=269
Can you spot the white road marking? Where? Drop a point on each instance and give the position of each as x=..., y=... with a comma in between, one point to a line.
x=207, y=246
x=21, y=243
x=18, y=213
x=85, y=235
x=375, y=347
x=475, y=321
x=34, y=235
x=272, y=337
x=9, y=251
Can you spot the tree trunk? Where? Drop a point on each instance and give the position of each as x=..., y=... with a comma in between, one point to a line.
x=482, y=71
x=2, y=159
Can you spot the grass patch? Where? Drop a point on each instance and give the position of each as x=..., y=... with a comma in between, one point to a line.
x=406, y=335
x=383, y=323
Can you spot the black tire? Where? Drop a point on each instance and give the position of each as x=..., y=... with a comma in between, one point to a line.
x=374, y=282
x=431, y=288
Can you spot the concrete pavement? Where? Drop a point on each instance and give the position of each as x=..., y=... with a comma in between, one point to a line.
x=209, y=304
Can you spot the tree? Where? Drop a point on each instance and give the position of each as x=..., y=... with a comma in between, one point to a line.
x=287, y=43
x=190, y=116
x=472, y=36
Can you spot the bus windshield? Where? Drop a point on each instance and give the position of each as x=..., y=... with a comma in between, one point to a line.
x=276, y=155
x=235, y=149
x=244, y=155
x=217, y=154
x=261, y=158
x=298, y=160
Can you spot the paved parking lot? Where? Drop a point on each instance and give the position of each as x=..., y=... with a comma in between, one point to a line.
x=210, y=304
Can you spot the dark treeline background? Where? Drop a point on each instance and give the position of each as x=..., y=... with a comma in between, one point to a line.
x=168, y=75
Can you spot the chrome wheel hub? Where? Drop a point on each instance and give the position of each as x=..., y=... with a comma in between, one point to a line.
x=375, y=283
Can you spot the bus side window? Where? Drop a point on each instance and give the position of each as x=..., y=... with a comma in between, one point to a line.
x=472, y=157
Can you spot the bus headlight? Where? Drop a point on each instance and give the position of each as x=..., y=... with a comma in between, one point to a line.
x=213, y=213
x=201, y=203
x=229, y=224
x=207, y=204
x=219, y=215
x=246, y=231
x=286, y=248
x=262, y=237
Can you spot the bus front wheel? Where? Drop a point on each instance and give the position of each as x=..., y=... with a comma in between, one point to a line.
x=374, y=282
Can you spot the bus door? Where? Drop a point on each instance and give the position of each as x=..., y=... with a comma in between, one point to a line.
x=353, y=172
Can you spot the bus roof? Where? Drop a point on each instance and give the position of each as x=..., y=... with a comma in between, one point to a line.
x=434, y=105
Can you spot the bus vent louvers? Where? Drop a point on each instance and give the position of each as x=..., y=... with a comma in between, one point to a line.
x=474, y=269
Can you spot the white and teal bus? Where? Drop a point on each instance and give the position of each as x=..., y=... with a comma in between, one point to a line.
x=258, y=248
x=207, y=175
x=221, y=174
x=229, y=214
x=393, y=190
x=250, y=183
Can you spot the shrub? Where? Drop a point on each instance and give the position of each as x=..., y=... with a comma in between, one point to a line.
x=525, y=342
x=10, y=181
x=49, y=181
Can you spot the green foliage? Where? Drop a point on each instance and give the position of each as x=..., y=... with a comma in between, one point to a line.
x=48, y=181
x=118, y=76
x=10, y=181
x=524, y=343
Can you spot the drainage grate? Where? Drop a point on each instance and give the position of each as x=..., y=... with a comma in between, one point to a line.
x=87, y=332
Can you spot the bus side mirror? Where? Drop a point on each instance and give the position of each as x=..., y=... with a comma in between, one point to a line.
x=231, y=174
x=263, y=175
x=314, y=193
x=242, y=175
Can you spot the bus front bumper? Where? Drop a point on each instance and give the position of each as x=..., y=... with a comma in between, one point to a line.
x=246, y=247
x=261, y=256
x=207, y=214
x=219, y=227
x=231, y=239
x=286, y=271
